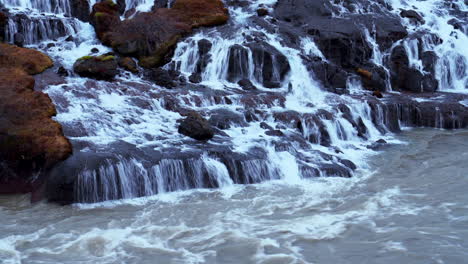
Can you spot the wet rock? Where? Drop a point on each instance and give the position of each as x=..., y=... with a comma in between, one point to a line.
x=94, y=50
x=457, y=24
x=238, y=65
x=224, y=119
x=331, y=76
x=80, y=9
x=246, y=85
x=413, y=16
x=62, y=71
x=162, y=77
x=374, y=78
x=195, y=78
x=3, y=24
x=377, y=145
x=204, y=56
x=429, y=61
x=405, y=78
x=97, y=67
x=262, y=12
x=196, y=127
x=30, y=141
x=18, y=39
x=271, y=66
x=128, y=64
x=335, y=170
x=152, y=36
x=70, y=39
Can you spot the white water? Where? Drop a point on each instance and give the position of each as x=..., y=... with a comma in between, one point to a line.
x=105, y=113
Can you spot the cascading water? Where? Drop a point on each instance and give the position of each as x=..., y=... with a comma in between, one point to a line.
x=127, y=136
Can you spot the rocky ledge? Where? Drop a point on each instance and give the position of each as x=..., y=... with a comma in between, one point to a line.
x=30, y=141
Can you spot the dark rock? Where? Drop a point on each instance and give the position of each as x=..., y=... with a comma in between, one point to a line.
x=196, y=127
x=100, y=67
x=62, y=71
x=162, y=78
x=195, y=78
x=50, y=45
x=223, y=119
x=80, y=9
x=238, y=65
x=377, y=94
x=429, y=61
x=331, y=76
x=204, y=57
x=18, y=39
x=271, y=66
x=246, y=85
x=94, y=50
x=413, y=15
x=70, y=38
x=3, y=24
x=262, y=12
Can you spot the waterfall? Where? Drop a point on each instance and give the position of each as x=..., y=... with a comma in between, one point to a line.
x=285, y=126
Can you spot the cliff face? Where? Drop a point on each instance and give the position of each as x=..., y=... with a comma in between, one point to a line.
x=30, y=141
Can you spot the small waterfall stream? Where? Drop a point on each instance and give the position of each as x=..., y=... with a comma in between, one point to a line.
x=131, y=136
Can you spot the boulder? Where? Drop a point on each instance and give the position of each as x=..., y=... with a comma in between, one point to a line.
x=80, y=9
x=262, y=12
x=271, y=66
x=152, y=36
x=162, y=77
x=102, y=67
x=246, y=85
x=238, y=63
x=31, y=142
x=413, y=16
x=196, y=127
x=404, y=77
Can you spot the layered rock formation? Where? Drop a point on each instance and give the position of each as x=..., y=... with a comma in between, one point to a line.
x=30, y=141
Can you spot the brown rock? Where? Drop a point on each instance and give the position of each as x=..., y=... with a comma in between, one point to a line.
x=102, y=67
x=128, y=64
x=364, y=73
x=30, y=141
x=377, y=94
x=151, y=36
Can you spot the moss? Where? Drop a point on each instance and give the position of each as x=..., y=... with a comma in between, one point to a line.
x=106, y=58
x=85, y=58
x=99, y=14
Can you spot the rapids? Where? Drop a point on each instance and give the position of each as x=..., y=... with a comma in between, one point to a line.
x=408, y=206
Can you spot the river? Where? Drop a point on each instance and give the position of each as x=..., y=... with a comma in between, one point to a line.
x=409, y=206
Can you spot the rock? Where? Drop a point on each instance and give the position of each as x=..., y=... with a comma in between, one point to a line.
x=238, y=63
x=195, y=78
x=3, y=24
x=204, y=57
x=128, y=64
x=246, y=85
x=62, y=71
x=162, y=77
x=224, y=118
x=70, y=38
x=80, y=9
x=94, y=50
x=377, y=94
x=405, y=78
x=429, y=61
x=331, y=76
x=18, y=39
x=262, y=12
x=457, y=24
x=413, y=16
x=31, y=142
x=271, y=66
x=97, y=67
x=196, y=127
x=152, y=36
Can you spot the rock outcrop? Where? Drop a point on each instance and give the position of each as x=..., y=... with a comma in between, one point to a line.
x=151, y=36
x=102, y=67
x=196, y=127
x=30, y=141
